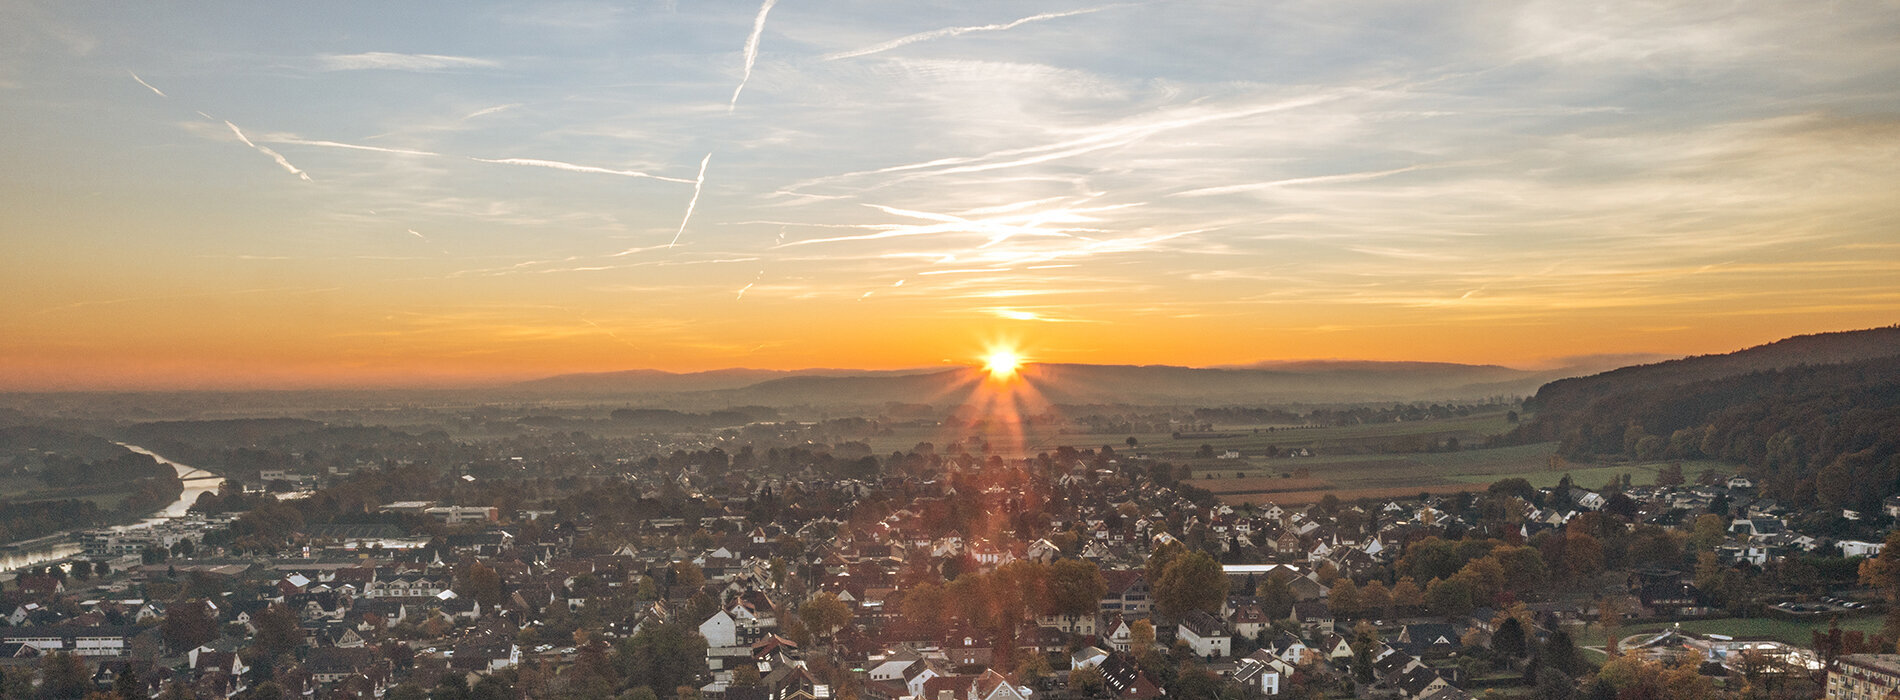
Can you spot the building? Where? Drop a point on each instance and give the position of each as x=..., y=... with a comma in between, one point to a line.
x=1864, y=677
x=85, y=641
x=1204, y=634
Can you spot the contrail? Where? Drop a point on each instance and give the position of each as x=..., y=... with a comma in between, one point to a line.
x=954, y=31
x=148, y=86
x=751, y=51
x=570, y=167
x=351, y=146
x=266, y=151
x=492, y=110
x=699, y=182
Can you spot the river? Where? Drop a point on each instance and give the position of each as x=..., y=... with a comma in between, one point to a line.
x=60, y=546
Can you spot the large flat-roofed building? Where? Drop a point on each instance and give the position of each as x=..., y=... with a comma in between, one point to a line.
x=1865, y=677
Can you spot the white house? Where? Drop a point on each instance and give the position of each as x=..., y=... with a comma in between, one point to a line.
x=1857, y=548
x=719, y=630
x=1204, y=634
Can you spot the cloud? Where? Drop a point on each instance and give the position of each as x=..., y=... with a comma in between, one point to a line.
x=148, y=86
x=570, y=167
x=697, y=184
x=416, y=62
x=955, y=31
x=751, y=51
x=292, y=169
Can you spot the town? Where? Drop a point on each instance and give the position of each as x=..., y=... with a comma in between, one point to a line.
x=722, y=572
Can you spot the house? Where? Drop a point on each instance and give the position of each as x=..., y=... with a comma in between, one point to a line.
x=1429, y=639
x=1334, y=647
x=1120, y=637
x=1857, y=548
x=1264, y=671
x=1127, y=592
x=1249, y=621
x=1664, y=592
x=1289, y=649
x=330, y=664
x=1757, y=527
x=1204, y=634
x=1740, y=482
x=1087, y=657
x=994, y=686
x=720, y=630
x=1122, y=677
x=1419, y=682
x=482, y=655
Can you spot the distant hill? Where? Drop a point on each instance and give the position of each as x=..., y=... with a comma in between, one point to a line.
x=1570, y=395
x=1283, y=382
x=656, y=381
x=1816, y=419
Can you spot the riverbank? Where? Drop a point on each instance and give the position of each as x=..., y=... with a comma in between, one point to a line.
x=60, y=546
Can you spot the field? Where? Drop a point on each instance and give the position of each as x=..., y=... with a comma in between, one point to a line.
x=1381, y=461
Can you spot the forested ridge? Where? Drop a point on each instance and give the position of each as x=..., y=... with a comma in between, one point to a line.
x=1814, y=434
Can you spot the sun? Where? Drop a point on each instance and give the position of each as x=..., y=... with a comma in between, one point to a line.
x=1002, y=364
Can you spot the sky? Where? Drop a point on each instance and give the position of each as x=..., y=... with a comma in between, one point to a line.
x=240, y=194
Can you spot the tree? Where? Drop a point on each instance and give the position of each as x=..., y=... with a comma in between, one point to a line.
x=1448, y=597
x=1670, y=475
x=1882, y=572
x=663, y=656
x=1276, y=598
x=1374, y=598
x=1523, y=568
x=1141, y=637
x=923, y=608
x=688, y=574
x=64, y=675
x=1509, y=638
x=1192, y=581
x=1552, y=684
x=452, y=686
x=1611, y=618
x=1086, y=680
x=187, y=625
x=1076, y=587
x=278, y=632
x=1560, y=653
x=1032, y=669
x=1344, y=600
x=1407, y=595
x=1710, y=531
x=641, y=692
x=481, y=584
x=1583, y=553
x=824, y=614
x=1635, y=678
x=129, y=685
